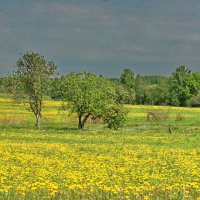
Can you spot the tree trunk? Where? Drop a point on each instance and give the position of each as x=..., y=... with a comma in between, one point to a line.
x=81, y=123
x=38, y=120
x=80, y=126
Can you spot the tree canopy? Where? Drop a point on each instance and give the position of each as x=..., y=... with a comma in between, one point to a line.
x=179, y=89
x=128, y=81
x=32, y=74
x=87, y=95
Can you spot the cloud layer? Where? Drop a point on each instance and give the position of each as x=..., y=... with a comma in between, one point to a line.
x=150, y=37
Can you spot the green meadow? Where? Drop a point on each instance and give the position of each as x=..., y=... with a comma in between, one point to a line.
x=149, y=158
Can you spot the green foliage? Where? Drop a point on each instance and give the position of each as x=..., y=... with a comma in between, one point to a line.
x=87, y=95
x=151, y=94
x=193, y=83
x=140, y=88
x=179, y=89
x=152, y=79
x=157, y=94
x=55, y=91
x=128, y=81
x=115, y=116
x=6, y=84
x=152, y=90
x=127, y=78
x=194, y=101
x=32, y=81
x=122, y=93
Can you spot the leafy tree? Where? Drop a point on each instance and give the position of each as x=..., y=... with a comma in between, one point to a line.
x=157, y=94
x=55, y=90
x=162, y=94
x=179, y=89
x=87, y=95
x=122, y=93
x=193, y=82
x=32, y=80
x=151, y=94
x=121, y=90
x=128, y=80
x=140, y=89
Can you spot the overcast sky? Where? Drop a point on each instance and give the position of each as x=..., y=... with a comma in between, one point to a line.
x=102, y=36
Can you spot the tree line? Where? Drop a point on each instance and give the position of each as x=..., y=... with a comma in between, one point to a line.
x=88, y=95
x=181, y=88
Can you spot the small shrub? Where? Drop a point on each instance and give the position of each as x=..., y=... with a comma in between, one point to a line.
x=115, y=116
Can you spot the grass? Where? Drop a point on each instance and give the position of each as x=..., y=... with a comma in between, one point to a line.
x=140, y=161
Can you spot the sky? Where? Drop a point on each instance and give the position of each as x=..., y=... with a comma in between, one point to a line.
x=151, y=37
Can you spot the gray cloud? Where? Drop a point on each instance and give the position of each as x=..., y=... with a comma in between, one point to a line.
x=148, y=36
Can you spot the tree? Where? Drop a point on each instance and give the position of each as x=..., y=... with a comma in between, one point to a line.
x=179, y=89
x=157, y=94
x=87, y=95
x=32, y=80
x=122, y=93
x=127, y=79
x=151, y=94
x=140, y=88
x=55, y=90
x=193, y=82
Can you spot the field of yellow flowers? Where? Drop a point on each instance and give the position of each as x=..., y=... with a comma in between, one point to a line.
x=141, y=161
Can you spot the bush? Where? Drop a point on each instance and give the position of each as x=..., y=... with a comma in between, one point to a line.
x=115, y=116
x=194, y=101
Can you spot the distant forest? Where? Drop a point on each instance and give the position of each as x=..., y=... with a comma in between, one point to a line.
x=181, y=88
